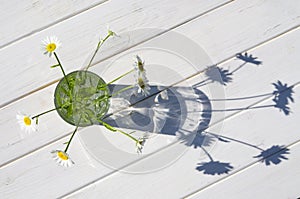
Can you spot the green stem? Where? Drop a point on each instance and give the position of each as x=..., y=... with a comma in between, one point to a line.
x=120, y=77
x=70, y=140
x=128, y=135
x=119, y=91
x=122, y=90
x=100, y=43
x=62, y=69
x=45, y=112
x=109, y=127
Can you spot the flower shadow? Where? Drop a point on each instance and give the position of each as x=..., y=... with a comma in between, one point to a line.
x=273, y=155
x=218, y=74
x=282, y=95
x=214, y=167
x=203, y=140
x=223, y=76
x=156, y=114
x=248, y=58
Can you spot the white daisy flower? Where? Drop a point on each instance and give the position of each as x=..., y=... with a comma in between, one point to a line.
x=140, y=144
x=62, y=158
x=163, y=94
x=139, y=66
x=111, y=33
x=143, y=85
x=26, y=123
x=50, y=44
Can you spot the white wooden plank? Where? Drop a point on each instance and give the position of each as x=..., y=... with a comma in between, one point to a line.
x=23, y=18
x=190, y=189
x=258, y=26
x=80, y=35
x=253, y=83
x=51, y=127
x=44, y=178
x=259, y=181
x=250, y=130
x=237, y=89
x=32, y=144
x=241, y=25
x=282, y=44
x=249, y=127
x=38, y=142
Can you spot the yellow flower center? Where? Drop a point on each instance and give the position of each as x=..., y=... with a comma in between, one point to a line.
x=51, y=47
x=140, y=66
x=62, y=155
x=27, y=121
x=141, y=83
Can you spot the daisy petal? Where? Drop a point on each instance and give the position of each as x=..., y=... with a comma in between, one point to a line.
x=50, y=45
x=142, y=85
x=62, y=158
x=26, y=122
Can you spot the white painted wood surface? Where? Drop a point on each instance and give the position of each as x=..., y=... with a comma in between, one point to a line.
x=20, y=19
x=268, y=30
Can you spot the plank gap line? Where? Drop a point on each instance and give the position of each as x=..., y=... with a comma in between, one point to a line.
x=191, y=76
x=294, y=28
x=50, y=24
x=116, y=53
x=166, y=147
x=237, y=172
x=58, y=139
